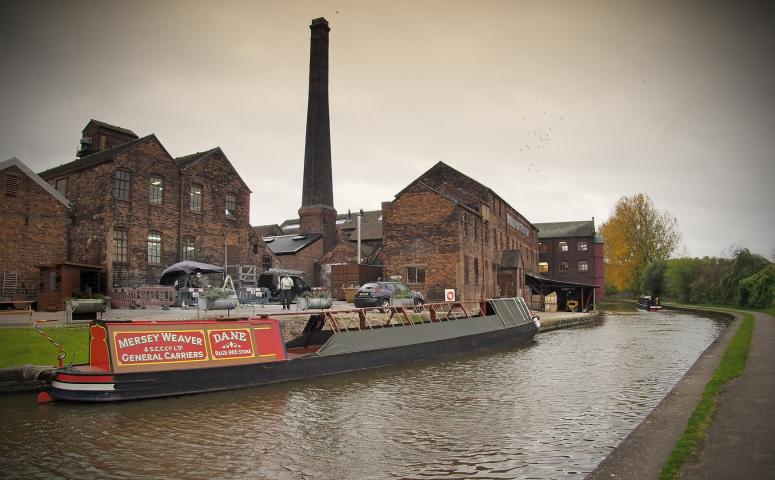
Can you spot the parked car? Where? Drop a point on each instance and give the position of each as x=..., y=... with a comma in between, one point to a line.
x=271, y=281
x=380, y=294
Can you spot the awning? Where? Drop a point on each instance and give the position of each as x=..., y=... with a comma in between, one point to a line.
x=173, y=272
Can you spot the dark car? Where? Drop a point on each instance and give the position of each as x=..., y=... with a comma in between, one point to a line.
x=271, y=281
x=380, y=294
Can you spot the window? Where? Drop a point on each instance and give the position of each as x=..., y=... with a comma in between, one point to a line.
x=563, y=246
x=154, y=247
x=196, y=198
x=11, y=185
x=563, y=266
x=189, y=250
x=62, y=186
x=583, y=266
x=121, y=185
x=583, y=246
x=119, y=246
x=415, y=274
x=476, y=271
x=543, y=267
x=156, y=192
x=542, y=247
x=266, y=262
x=465, y=269
x=231, y=206
x=486, y=235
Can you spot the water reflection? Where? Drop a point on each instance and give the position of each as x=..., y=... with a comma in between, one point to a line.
x=553, y=409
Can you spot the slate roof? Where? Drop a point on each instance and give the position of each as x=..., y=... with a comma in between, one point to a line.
x=290, y=244
x=188, y=160
x=115, y=128
x=584, y=228
x=510, y=259
x=371, y=225
x=93, y=159
x=268, y=230
x=15, y=162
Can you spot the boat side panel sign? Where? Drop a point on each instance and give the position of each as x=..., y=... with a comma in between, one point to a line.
x=159, y=347
x=231, y=343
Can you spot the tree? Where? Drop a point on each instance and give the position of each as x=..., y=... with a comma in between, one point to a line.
x=652, y=278
x=744, y=264
x=636, y=234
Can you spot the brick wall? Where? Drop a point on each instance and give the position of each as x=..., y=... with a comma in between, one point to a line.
x=98, y=215
x=34, y=230
x=422, y=228
x=554, y=256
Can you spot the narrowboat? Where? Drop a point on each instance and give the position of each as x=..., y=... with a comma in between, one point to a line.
x=143, y=359
x=650, y=303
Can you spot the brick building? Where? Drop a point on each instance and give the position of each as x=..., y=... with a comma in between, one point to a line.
x=446, y=230
x=572, y=252
x=36, y=220
x=138, y=210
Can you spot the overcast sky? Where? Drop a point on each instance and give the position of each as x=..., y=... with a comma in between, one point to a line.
x=561, y=107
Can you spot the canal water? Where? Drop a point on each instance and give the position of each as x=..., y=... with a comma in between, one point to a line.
x=552, y=410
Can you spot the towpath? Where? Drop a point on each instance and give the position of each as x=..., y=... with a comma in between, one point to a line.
x=740, y=443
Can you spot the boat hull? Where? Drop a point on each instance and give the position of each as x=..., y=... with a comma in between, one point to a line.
x=101, y=387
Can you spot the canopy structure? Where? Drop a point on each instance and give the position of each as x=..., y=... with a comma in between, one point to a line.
x=582, y=293
x=185, y=269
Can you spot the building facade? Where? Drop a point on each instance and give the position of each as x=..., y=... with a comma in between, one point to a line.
x=572, y=252
x=137, y=210
x=448, y=231
x=36, y=223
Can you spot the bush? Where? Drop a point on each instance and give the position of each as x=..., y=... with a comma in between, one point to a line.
x=744, y=264
x=758, y=290
x=652, y=278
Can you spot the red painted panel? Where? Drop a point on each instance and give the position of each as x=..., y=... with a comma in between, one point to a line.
x=64, y=377
x=159, y=346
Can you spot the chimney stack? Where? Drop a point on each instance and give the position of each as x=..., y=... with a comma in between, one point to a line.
x=317, y=213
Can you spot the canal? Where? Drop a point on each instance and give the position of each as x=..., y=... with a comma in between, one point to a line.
x=553, y=409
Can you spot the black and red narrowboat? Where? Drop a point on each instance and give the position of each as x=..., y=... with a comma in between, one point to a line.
x=144, y=359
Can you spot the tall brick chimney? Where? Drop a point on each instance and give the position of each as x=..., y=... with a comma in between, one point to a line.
x=317, y=213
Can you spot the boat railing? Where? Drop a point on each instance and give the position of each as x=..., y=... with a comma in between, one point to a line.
x=358, y=319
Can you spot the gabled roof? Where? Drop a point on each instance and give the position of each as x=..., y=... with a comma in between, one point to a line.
x=187, y=161
x=371, y=225
x=115, y=128
x=290, y=244
x=93, y=159
x=442, y=165
x=583, y=228
x=15, y=162
x=268, y=230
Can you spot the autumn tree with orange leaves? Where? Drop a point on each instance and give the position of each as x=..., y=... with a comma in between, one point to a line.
x=636, y=234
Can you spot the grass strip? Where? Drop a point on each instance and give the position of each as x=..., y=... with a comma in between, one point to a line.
x=23, y=345
x=731, y=366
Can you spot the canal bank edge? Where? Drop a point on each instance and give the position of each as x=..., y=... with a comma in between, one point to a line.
x=31, y=378
x=642, y=454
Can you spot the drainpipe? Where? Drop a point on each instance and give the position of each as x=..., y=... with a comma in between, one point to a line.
x=358, y=229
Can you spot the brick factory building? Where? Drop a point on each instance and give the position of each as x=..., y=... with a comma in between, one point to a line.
x=572, y=252
x=448, y=231
x=136, y=210
x=36, y=221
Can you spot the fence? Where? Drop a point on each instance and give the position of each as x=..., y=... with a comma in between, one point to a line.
x=141, y=297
